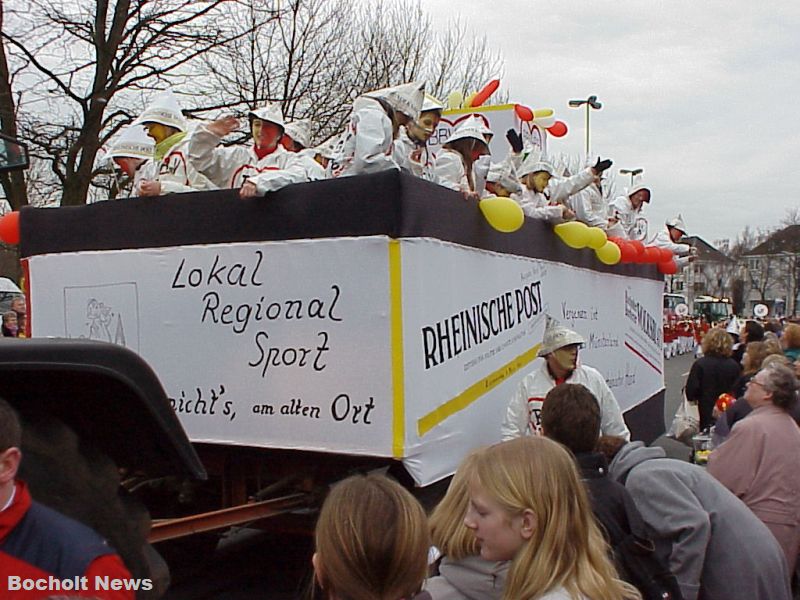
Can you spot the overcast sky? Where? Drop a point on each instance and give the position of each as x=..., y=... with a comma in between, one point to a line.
x=704, y=95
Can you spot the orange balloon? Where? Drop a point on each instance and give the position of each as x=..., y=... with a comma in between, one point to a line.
x=487, y=90
x=9, y=228
x=558, y=129
x=523, y=112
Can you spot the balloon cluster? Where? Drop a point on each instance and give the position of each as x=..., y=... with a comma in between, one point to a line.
x=579, y=235
x=503, y=214
x=543, y=117
x=634, y=251
x=9, y=228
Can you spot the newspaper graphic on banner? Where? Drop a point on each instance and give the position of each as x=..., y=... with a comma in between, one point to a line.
x=280, y=344
x=468, y=349
x=406, y=348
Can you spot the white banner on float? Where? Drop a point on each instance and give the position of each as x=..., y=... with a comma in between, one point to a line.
x=468, y=349
x=408, y=348
x=499, y=118
x=272, y=344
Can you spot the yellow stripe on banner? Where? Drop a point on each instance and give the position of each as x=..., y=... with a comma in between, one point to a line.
x=475, y=391
x=476, y=109
x=398, y=377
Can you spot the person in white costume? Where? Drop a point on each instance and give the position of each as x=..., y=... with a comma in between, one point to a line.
x=545, y=193
x=627, y=213
x=169, y=170
x=411, y=146
x=297, y=135
x=368, y=143
x=590, y=206
x=670, y=238
x=502, y=179
x=131, y=151
x=463, y=162
x=559, y=349
x=266, y=166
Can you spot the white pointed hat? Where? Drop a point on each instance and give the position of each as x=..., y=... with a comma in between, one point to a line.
x=132, y=142
x=406, y=98
x=478, y=122
x=734, y=326
x=503, y=173
x=677, y=223
x=534, y=163
x=467, y=129
x=640, y=185
x=270, y=112
x=431, y=103
x=300, y=132
x=557, y=336
x=164, y=109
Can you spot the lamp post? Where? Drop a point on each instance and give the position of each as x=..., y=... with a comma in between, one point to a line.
x=590, y=102
x=632, y=172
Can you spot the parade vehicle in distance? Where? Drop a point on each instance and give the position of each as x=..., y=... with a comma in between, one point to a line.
x=713, y=309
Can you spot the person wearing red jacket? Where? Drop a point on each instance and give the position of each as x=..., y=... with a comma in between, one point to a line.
x=44, y=553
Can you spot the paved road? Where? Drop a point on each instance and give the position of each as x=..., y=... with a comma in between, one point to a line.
x=675, y=371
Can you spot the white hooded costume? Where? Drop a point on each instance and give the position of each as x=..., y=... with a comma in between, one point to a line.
x=133, y=142
x=590, y=206
x=524, y=411
x=633, y=224
x=368, y=143
x=682, y=252
x=547, y=204
x=504, y=174
x=449, y=167
x=230, y=167
x=413, y=156
x=172, y=170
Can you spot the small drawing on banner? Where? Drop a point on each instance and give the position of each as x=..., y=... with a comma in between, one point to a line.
x=106, y=313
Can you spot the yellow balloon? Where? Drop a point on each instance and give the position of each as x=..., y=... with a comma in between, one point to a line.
x=541, y=113
x=502, y=213
x=608, y=254
x=597, y=238
x=574, y=234
x=469, y=99
x=454, y=100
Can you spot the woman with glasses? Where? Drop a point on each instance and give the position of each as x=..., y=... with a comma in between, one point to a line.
x=758, y=462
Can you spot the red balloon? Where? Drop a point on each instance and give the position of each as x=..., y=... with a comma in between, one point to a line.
x=638, y=246
x=666, y=254
x=668, y=267
x=9, y=228
x=627, y=251
x=559, y=129
x=483, y=95
x=652, y=254
x=523, y=112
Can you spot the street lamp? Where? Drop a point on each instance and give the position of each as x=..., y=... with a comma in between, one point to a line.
x=632, y=172
x=590, y=102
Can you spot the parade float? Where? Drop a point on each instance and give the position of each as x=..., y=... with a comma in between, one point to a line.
x=361, y=322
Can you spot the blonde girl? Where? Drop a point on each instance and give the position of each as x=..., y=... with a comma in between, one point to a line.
x=528, y=504
x=371, y=541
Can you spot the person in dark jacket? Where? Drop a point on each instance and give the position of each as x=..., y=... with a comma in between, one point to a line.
x=42, y=548
x=712, y=374
x=753, y=331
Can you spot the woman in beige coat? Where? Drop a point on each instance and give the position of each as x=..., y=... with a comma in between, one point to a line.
x=758, y=462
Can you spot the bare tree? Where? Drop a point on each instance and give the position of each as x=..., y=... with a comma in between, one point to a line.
x=77, y=63
x=791, y=216
x=321, y=54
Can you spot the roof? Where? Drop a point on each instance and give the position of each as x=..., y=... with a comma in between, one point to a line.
x=783, y=240
x=705, y=251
